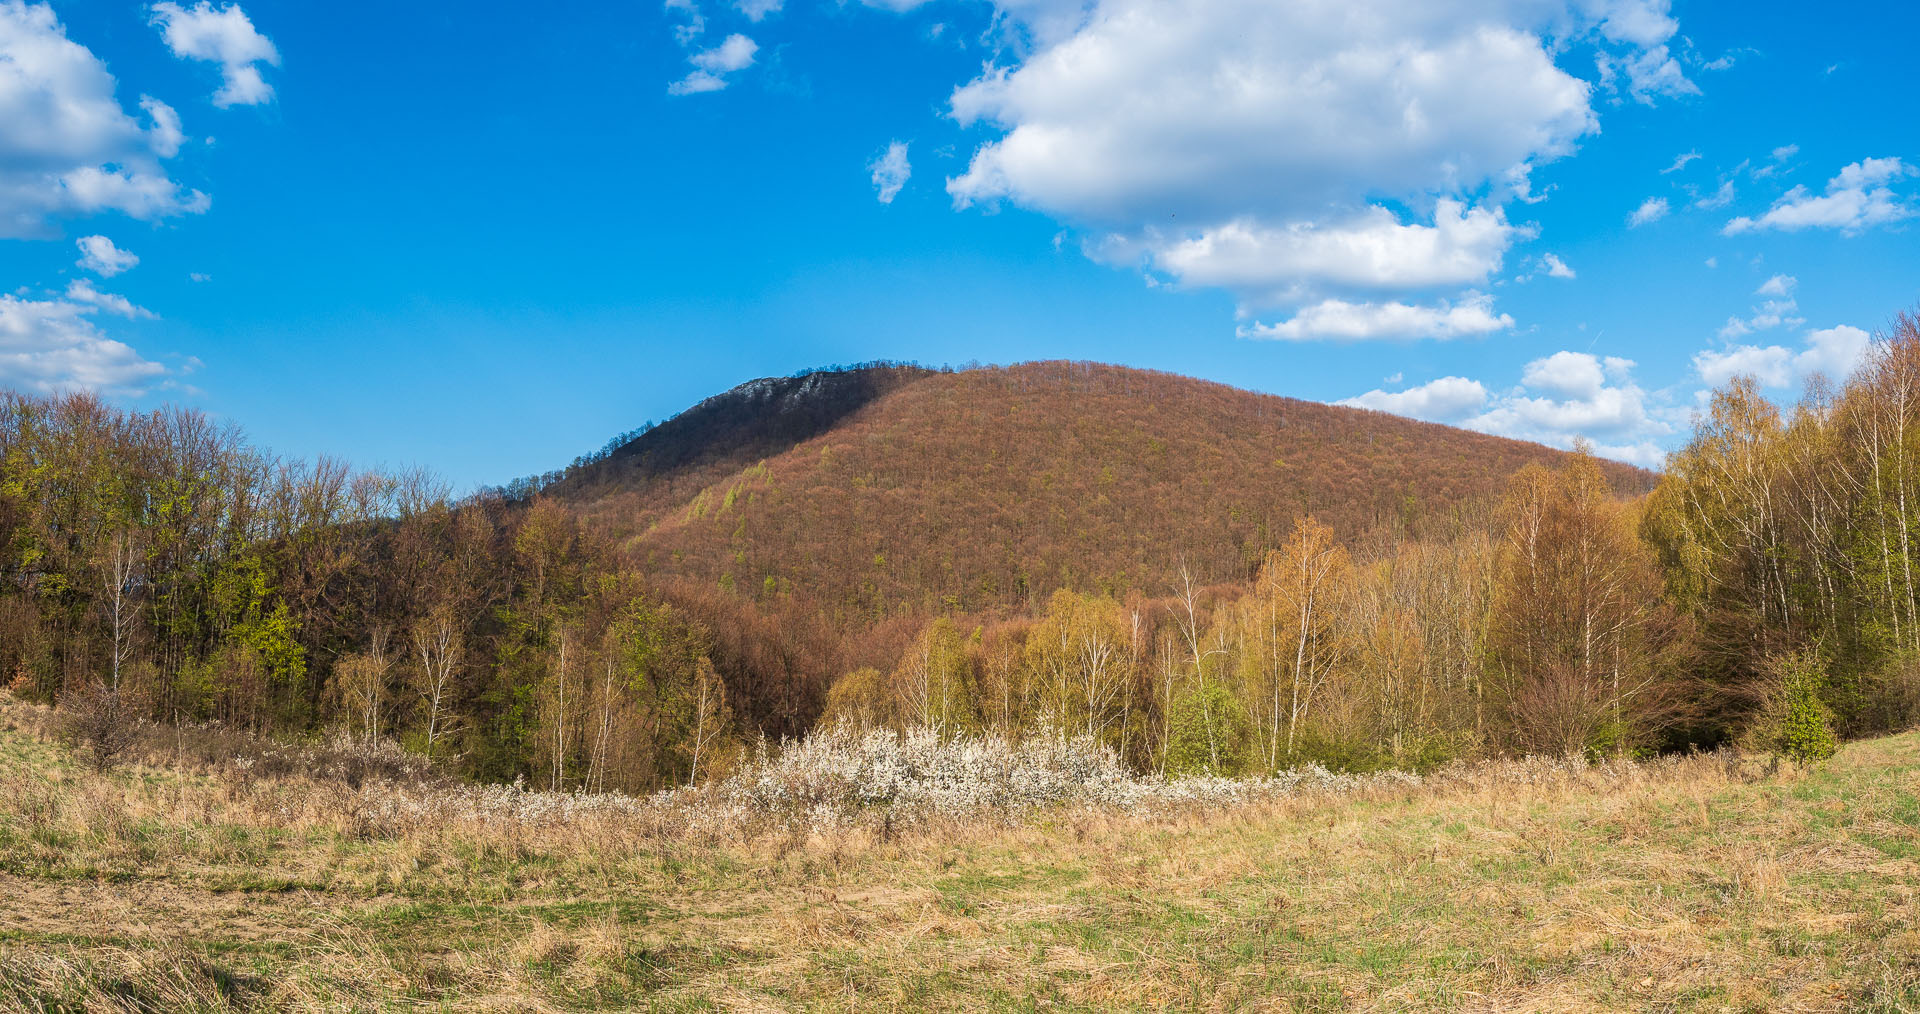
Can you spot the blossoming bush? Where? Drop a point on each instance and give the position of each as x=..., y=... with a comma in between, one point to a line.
x=921, y=771
x=839, y=778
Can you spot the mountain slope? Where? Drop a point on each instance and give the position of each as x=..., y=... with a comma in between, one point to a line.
x=730, y=431
x=894, y=491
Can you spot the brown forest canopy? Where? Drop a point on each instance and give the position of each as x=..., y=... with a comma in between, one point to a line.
x=895, y=491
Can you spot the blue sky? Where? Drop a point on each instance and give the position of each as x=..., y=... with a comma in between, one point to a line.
x=485, y=237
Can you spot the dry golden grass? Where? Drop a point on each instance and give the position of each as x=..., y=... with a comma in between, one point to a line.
x=1704, y=884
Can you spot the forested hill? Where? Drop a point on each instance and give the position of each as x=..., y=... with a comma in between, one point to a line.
x=893, y=491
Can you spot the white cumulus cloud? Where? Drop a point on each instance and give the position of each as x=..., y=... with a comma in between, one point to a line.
x=1371, y=250
x=1779, y=309
x=711, y=66
x=49, y=345
x=1653, y=209
x=1222, y=108
x=222, y=35
x=1556, y=268
x=81, y=291
x=1573, y=374
x=1350, y=163
x=1447, y=399
x=1576, y=395
x=1833, y=352
x=1561, y=398
x=100, y=256
x=1649, y=73
x=165, y=136
x=1307, y=156
x=1770, y=365
x=1767, y=316
x=890, y=171
x=67, y=146
x=1338, y=320
x=1857, y=199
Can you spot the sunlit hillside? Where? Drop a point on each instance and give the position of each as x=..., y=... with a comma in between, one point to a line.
x=896, y=491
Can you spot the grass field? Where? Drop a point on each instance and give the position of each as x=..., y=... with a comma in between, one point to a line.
x=1700, y=884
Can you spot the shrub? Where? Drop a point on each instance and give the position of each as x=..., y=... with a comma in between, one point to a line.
x=102, y=721
x=1801, y=724
x=831, y=777
x=1207, y=733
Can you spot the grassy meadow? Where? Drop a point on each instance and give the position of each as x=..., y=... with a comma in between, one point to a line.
x=1707, y=883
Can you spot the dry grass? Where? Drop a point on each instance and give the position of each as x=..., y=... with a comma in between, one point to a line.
x=1701, y=884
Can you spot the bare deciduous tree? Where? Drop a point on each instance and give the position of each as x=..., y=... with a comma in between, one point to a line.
x=709, y=700
x=362, y=679
x=123, y=572
x=438, y=645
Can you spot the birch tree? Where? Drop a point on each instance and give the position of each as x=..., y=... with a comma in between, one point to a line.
x=438, y=644
x=362, y=681
x=1294, y=638
x=709, y=716
x=123, y=572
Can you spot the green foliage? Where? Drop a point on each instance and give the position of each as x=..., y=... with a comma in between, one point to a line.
x=934, y=684
x=1891, y=696
x=1802, y=723
x=1579, y=629
x=1208, y=732
x=1781, y=530
x=1613, y=738
x=1077, y=659
x=502, y=745
x=661, y=662
x=196, y=686
x=275, y=639
x=1357, y=753
x=222, y=584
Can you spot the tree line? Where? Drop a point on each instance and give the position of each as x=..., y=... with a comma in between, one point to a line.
x=155, y=566
x=158, y=567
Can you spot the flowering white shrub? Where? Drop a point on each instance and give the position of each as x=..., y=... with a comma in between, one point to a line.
x=839, y=778
x=968, y=774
